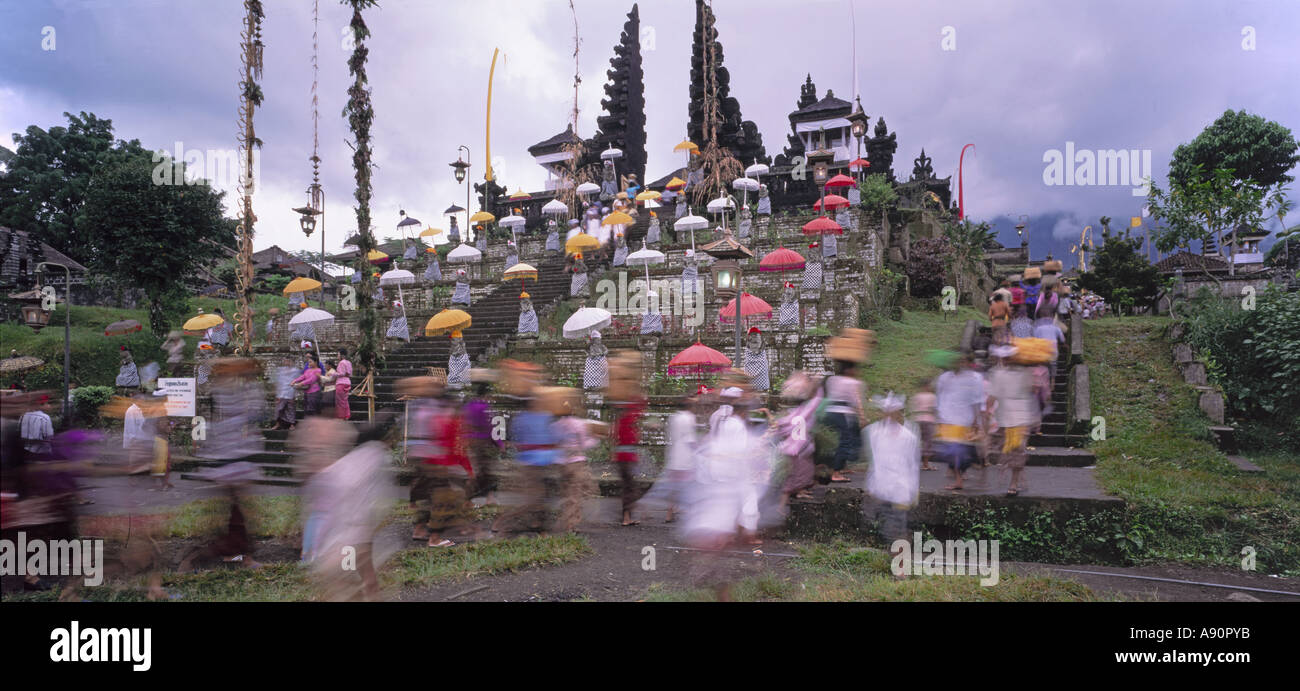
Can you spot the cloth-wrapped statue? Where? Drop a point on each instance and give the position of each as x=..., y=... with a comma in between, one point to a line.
x=690, y=273
x=552, y=237
x=453, y=233
x=746, y=221
x=578, y=284
x=595, y=371
x=755, y=359
x=608, y=183
x=480, y=238
x=434, y=271
x=457, y=363
x=412, y=252
x=812, y=270
x=764, y=201
x=127, y=375
x=397, y=328
x=855, y=195
x=830, y=246
x=652, y=233
x=788, y=317
x=843, y=218
x=620, y=250
x=356, y=277
x=652, y=322
x=460, y=296
x=681, y=206
x=512, y=254
x=527, y=316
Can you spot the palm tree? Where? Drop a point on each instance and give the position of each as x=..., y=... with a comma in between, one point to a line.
x=967, y=241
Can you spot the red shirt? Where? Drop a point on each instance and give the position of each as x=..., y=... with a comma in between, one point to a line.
x=448, y=442
x=627, y=431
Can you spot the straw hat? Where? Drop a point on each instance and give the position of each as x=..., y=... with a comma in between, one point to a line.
x=426, y=386
x=1033, y=272
x=236, y=366
x=559, y=400
x=852, y=345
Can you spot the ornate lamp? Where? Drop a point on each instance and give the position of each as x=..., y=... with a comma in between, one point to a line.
x=461, y=166
x=33, y=314
x=307, y=219
x=858, y=121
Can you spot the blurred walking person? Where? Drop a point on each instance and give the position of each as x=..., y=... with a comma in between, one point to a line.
x=483, y=449
x=444, y=468
x=533, y=432
x=893, y=450
x=575, y=436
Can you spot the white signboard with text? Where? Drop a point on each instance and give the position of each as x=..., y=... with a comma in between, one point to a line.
x=180, y=396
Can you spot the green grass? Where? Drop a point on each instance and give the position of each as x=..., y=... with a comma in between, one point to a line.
x=95, y=357
x=841, y=572
x=1194, y=505
x=898, y=362
x=270, y=583
x=267, y=517
x=424, y=566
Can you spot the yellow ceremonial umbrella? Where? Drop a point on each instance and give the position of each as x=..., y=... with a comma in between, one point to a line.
x=302, y=284
x=375, y=256
x=202, y=323
x=520, y=196
x=686, y=145
x=521, y=271
x=446, y=321
x=481, y=217
x=675, y=184
x=617, y=218
x=430, y=232
x=580, y=242
x=648, y=195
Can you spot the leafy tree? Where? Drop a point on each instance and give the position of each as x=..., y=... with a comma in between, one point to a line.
x=967, y=241
x=1203, y=208
x=927, y=262
x=1121, y=274
x=877, y=192
x=1256, y=150
x=46, y=179
x=152, y=236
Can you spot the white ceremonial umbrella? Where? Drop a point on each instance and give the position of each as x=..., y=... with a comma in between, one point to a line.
x=645, y=256
x=720, y=205
x=464, y=254
x=746, y=184
x=313, y=316
x=588, y=188
x=610, y=154
x=692, y=223
x=399, y=278
x=586, y=320
x=555, y=207
x=756, y=170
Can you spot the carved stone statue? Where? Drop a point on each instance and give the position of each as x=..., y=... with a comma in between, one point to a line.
x=746, y=222
x=652, y=322
x=453, y=234
x=412, y=252
x=620, y=250
x=764, y=201
x=608, y=183
x=595, y=371
x=578, y=284
x=552, y=237
x=527, y=317
x=434, y=270
x=457, y=363
x=690, y=273
x=127, y=375
x=461, y=295
x=788, y=317
x=812, y=270
x=512, y=254
x=480, y=237
x=756, y=362
x=398, y=328
x=652, y=232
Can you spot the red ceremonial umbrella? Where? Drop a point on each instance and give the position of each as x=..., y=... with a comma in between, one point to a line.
x=859, y=164
x=781, y=259
x=833, y=202
x=840, y=180
x=822, y=226
x=697, y=360
x=750, y=306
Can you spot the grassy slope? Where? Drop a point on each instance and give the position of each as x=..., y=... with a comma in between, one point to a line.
x=1158, y=456
x=94, y=355
x=898, y=362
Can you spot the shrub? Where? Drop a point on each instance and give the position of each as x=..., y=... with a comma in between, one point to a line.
x=877, y=192
x=86, y=402
x=927, y=266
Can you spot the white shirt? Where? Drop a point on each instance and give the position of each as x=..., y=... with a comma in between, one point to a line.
x=36, y=431
x=681, y=441
x=958, y=397
x=1013, y=387
x=133, y=426
x=1050, y=332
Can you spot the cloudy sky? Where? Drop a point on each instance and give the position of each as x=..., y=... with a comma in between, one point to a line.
x=1018, y=79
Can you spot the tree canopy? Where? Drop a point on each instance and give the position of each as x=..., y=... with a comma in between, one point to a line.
x=1120, y=273
x=152, y=236
x=1253, y=148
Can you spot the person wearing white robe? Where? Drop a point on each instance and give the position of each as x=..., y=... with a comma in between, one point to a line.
x=893, y=450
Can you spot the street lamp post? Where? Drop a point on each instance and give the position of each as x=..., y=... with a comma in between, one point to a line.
x=67, y=333
x=858, y=123
x=461, y=166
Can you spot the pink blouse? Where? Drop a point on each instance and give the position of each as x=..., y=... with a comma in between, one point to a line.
x=311, y=378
